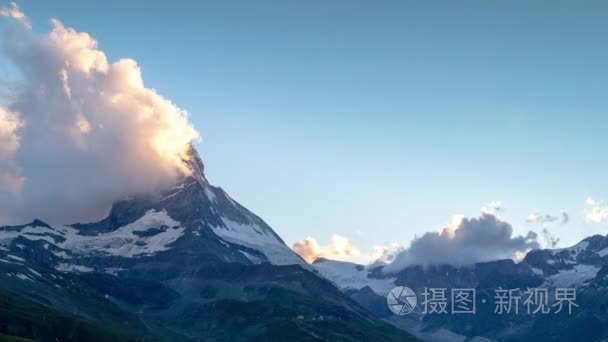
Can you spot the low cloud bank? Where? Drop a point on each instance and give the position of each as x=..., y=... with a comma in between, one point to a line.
x=466, y=241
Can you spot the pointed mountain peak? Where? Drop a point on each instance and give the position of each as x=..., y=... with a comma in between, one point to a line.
x=38, y=223
x=195, y=164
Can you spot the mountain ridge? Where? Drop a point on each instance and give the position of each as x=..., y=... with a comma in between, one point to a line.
x=185, y=263
x=583, y=266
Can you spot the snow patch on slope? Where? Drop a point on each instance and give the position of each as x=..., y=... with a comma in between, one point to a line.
x=130, y=240
x=30, y=233
x=347, y=275
x=179, y=190
x=603, y=252
x=255, y=237
x=24, y=277
x=72, y=268
x=252, y=258
x=114, y=270
x=574, y=250
x=537, y=270
x=15, y=258
x=210, y=194
x=576, y=276
x=150, y=234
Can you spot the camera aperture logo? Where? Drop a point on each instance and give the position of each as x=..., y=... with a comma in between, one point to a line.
x=401, y=300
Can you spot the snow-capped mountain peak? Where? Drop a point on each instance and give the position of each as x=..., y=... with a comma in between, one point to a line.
x=186, y=263
x=152, y=226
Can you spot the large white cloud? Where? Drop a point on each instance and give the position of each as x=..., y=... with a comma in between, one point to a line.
x=596, y=211
x=78, y=132
x=464, y=242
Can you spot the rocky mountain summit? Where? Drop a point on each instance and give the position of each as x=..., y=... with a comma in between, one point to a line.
x=186, y=263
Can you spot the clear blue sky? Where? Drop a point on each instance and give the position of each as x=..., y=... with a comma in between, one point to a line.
x=330, y=117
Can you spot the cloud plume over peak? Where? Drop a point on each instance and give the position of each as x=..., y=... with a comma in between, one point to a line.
x=78, y=132
x=465, y=241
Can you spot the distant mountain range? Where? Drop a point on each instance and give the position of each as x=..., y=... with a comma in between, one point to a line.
x=583, y=267
x=188, y=263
